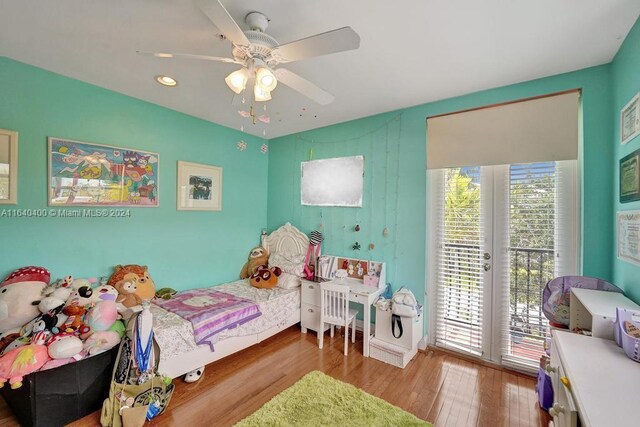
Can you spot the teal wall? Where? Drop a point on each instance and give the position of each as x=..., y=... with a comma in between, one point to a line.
x=182, y=249
x=626, y=83
x=395, y=179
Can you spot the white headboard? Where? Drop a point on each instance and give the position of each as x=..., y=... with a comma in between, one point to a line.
x=287, y=239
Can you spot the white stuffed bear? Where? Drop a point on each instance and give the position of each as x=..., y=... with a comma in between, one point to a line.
x=18, y=293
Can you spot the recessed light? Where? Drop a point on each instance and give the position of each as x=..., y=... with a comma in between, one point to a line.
x=166, y=81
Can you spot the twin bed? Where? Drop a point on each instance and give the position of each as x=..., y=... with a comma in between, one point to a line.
x=279, y=308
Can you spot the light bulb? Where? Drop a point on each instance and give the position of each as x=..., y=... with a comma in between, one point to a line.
x=237, y=80
x=266, y=79
x=260, y=94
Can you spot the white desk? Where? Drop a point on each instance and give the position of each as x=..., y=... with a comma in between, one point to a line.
x=360, y=294
x=604, y=381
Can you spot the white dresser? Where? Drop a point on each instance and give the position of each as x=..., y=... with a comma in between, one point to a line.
x=310, y=310
x=603, y=382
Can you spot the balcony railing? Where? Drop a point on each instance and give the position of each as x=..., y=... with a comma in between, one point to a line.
x=529, y=271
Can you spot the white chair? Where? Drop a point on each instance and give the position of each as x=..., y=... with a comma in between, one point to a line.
x=334, y=309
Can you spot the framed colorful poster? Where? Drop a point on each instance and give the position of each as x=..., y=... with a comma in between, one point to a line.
x=87, y=174
x=630, y=120
x=629, y=236
x=199, y=187
x=630, y=177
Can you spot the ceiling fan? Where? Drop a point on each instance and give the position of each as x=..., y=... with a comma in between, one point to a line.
x=260, y=55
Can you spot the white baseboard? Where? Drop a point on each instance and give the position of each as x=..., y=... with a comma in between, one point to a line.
x=422, y=344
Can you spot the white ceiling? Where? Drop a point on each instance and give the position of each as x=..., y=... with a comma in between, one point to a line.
x=412, y=51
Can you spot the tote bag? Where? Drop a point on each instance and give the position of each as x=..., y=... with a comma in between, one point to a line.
x=124, y=392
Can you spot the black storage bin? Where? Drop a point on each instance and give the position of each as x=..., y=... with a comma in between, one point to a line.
x=59, y=396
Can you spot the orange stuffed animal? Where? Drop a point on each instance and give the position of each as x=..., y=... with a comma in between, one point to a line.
x=265, y=277
x=145, y=288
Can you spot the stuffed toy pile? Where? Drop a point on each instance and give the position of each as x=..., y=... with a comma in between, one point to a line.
x=43, y=326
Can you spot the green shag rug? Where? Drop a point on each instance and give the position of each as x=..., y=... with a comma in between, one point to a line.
x=319, y=400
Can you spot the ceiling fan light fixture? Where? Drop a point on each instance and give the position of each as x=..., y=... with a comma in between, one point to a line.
x=260, y=94
x=237, y=80
x=266, y=79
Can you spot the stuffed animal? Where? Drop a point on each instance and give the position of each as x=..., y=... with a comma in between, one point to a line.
x=127, y=287
x=265, y=277
x=101, y=341
x=74, y=322
x=81, y=296
x=17, y=294
x=22, y=361
x=102, y=316
x=145, y=288
x=63, y=345
x=60, y=289
x=258, y=256
x=8, y=339
x=165, y=293
x=104, y=293
x=18, y=342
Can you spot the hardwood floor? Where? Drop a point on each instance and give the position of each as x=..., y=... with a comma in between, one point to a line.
x=436, y=386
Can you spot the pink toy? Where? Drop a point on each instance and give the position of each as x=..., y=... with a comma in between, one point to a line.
x=102, y=316
x=22, y=361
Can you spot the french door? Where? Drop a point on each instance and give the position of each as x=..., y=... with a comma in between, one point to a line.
x=497, y=235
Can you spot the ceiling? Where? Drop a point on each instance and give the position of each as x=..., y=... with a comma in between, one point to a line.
x=411, y=52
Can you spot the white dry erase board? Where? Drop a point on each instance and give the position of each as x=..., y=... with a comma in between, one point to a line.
x=332, y=182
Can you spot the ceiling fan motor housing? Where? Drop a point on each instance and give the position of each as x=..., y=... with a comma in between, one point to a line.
x=261, y=46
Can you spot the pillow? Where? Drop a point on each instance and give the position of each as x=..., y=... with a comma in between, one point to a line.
x=288, y=262
x=288, y=281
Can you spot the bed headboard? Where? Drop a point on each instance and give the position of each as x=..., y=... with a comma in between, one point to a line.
x=286, y=239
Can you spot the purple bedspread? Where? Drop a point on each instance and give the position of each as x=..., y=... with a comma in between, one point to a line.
x=210, y=311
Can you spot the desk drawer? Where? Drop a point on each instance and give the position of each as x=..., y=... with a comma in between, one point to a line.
x=564, y=410
x=310, y=293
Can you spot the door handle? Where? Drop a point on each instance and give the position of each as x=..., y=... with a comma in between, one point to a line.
x=486, y=266
x=487, y=256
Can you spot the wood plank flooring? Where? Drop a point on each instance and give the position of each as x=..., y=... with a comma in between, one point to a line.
x=435, y=386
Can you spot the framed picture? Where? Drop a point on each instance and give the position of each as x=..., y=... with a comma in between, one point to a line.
x=8, y=167
x=630, y=177
x=199, y=187
x=87, y=174
x=628, y=236
x=630, y=120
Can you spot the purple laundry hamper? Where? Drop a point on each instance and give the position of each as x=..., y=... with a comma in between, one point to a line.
x=556, y=296
x=629, y=344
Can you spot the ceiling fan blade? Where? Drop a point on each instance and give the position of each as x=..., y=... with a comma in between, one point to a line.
x=303, y=86
x=334, y=41
x=191, y=56
x=216, y=12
